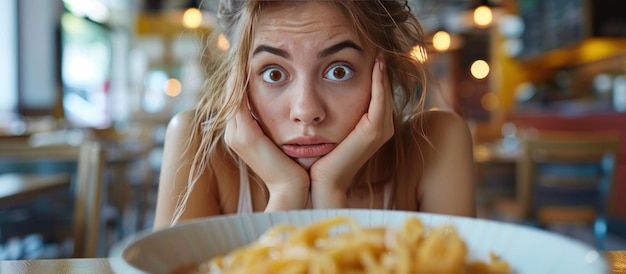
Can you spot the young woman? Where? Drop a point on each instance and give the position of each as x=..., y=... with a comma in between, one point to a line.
x=316, y=104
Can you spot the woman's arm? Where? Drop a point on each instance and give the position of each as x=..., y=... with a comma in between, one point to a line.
x=333, y=174
x=447, y=181
x=286, y=181
x=173, y=181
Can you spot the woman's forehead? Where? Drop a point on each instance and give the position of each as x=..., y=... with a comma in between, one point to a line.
x=318, y=20
x=300, y=14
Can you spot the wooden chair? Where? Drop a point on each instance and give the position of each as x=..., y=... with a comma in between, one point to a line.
x=88, y=200
x=565, y=178
x=38, y=170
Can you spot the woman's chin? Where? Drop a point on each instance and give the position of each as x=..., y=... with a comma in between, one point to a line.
x=307, y=163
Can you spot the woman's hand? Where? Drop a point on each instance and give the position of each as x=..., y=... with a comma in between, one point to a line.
x=287, y=182
x=332, y=175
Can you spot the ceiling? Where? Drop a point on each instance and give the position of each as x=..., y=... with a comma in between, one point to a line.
x=441, y=14
x=433, y=14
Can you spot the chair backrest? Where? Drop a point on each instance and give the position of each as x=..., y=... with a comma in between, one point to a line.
x=86, y=163
x=567, y=170
x=88, y=200
x=21, y=157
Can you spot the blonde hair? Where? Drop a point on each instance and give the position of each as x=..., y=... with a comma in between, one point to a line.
x=389, y=26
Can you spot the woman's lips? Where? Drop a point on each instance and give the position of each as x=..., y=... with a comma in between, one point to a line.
x=307, y=150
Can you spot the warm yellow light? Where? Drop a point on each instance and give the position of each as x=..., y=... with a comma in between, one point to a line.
x=441, y=41
x=489, y=101
x=483, y=16
x=419, y=53
x=192, y=18
x=479, y=69
x=222, y=42
x=172, y=87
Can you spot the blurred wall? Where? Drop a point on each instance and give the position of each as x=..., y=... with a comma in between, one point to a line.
x=8, y=48
x=37, y=51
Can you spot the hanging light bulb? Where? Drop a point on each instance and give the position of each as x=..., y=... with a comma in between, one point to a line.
x=192, y=17
x=484, y=13
x=483, y=16
x=479, y=69
x=441, y=40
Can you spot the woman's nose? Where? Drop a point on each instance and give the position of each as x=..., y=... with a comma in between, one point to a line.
x=307, y=108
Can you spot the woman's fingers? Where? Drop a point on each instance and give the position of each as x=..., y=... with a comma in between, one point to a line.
x=242, y=128
x=245, y=136
x=380, y=111
x=280, y=173
x=377, y=106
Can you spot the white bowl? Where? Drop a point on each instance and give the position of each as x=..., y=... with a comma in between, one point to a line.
x=527, y=250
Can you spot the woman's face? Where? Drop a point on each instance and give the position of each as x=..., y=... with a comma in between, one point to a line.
x=310, y=80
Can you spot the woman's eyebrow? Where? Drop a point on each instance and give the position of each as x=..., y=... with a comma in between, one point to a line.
x=324, y=53
x=338, y=47
x=272, y=50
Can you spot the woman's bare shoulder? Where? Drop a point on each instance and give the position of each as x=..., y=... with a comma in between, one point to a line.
x=182, y=122
x=182, y=128
x=443, y=143
x=436, y=127
x=220, y=175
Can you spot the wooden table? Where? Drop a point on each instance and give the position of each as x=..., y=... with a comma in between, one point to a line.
x=69, y=266
x=16, y=187
x=617, y=262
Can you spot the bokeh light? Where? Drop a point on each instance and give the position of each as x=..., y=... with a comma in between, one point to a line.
x=172, y=87
x=222, y=42
x=192, y=18
x=419, y=53
x=441, y=41
x=483, y=16
x=479, y=69
x=489, y=101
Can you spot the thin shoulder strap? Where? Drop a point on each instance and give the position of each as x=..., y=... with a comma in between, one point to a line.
x=244, y=205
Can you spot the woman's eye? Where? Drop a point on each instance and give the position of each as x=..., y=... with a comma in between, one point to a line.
x=339, y=73
x=273, y=76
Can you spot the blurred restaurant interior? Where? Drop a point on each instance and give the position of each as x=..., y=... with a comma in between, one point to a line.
x=541, y=84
